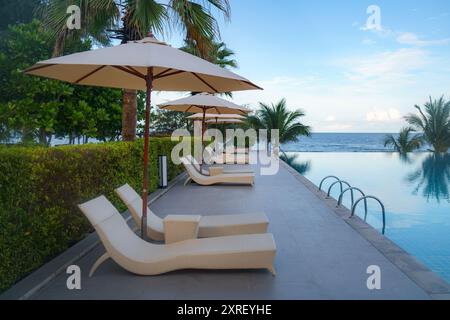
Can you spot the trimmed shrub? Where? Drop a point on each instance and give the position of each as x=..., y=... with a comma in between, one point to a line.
x=40, y=189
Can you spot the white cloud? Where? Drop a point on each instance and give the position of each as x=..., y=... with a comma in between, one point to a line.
x=405, y=38
x=390, y=63
x=383, y=115
x=368, y=42
x=412, y=39
x=381, y=32
x=330, y=118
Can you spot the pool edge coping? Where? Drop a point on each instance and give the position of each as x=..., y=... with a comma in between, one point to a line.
x=429, y=281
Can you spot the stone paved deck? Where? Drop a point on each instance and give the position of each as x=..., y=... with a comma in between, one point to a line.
x=319, y=255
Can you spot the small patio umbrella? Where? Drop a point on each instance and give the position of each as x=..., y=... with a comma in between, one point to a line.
x=203, y=103
x=147, y=65
x=224, y=121
x=199, y=116
x=214, y=117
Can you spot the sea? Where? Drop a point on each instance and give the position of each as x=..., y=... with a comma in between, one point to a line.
x=341, y=142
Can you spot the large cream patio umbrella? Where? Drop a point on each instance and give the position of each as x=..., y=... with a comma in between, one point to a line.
x=147, y=65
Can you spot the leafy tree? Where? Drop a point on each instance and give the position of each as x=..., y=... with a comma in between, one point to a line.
x=405, y=142
x=132, y=20
x=17, y=11
x=277, y=116
x=91, y=112
x=38, y=108
x=434, y=122
x=166, y=121
x=31, y=103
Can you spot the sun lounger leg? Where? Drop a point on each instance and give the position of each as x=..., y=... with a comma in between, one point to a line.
x=272, y=270
x=97, y=263
x=189, y=179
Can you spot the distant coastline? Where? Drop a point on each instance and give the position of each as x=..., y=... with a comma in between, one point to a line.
x=341, y=142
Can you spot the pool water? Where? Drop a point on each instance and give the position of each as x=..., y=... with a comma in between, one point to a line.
x=414, y=190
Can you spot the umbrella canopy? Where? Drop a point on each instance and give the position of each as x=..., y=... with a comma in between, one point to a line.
x=223, y=121
x=204, y=102
x=199, y=116
x=125, y=66
x=147, y=65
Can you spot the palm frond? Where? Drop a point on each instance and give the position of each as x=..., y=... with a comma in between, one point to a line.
x=434, y=122
x=96, y=17
x=147, y=15
x=277, y=116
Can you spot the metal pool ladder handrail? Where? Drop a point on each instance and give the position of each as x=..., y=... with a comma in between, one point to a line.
x=383, y=211
x=323, y=180
x=351, y=189
x=341, y=182
x=354, y=204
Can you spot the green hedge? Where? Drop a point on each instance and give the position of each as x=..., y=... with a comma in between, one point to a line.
x=40, y=189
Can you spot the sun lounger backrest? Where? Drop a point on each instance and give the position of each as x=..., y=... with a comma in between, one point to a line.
x=98, y=210
x=122, y=244
x=134, y=204
x=127, y=193
x=194, y=162
x=191, y=169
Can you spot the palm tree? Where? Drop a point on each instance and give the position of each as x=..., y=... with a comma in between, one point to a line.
x=404, y=143
x=434, y=123
x=277, y=116
x=218, y=54
x=137, y=17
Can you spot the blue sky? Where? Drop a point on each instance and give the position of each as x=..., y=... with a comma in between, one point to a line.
x=320, y=57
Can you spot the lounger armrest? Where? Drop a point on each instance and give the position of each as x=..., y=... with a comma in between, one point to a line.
x=180, y=227
x=214, y=171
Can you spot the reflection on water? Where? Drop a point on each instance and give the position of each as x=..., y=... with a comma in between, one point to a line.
x=301, y=167
x=406, y=158
x=433, y=177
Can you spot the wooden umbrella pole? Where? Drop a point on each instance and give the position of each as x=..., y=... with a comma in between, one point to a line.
x=149, y=85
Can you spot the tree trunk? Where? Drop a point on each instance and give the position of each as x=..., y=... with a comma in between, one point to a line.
x=129, y=115
x=42, y=136
x=59, y=44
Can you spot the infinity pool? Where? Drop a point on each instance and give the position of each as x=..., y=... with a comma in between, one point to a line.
x=414, y=190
